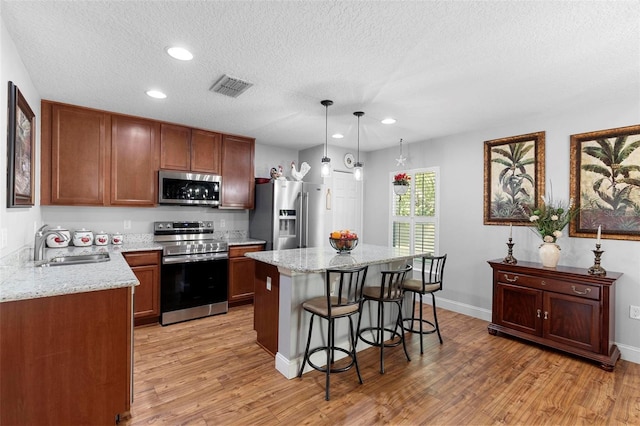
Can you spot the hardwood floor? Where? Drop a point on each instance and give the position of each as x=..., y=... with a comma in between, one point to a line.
x=211, y=372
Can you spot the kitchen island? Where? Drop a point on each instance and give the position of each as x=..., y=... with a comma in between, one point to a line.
x=286, y=278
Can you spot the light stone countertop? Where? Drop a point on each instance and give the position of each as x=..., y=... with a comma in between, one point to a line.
x=23, y=280
x=319, y=259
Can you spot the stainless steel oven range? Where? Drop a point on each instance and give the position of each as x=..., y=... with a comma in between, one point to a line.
x=193, y=276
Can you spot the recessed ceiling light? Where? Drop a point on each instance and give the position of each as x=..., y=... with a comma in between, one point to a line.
x=179, y=53
x=337, y=136
x=388, y=120
x=156, y=94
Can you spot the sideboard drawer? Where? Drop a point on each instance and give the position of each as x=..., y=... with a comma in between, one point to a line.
x=557, y=286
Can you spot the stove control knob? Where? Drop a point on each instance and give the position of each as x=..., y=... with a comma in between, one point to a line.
x=160, y=226
x=168, y=225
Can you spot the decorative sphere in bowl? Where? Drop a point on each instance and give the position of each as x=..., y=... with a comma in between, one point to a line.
x=343, y=245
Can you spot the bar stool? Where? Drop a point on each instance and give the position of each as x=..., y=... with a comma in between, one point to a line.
x=432, y=276
x=343, y=293
x=389, y=291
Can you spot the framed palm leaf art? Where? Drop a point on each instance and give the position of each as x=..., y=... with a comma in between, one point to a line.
x=513, y=178
x=605, y=183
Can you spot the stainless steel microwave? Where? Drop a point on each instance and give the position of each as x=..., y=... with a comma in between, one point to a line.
x=188, y=189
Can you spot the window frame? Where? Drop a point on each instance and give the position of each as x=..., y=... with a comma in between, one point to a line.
x=412, y=220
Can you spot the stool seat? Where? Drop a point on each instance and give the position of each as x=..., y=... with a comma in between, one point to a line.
x=319, y=306
x=378, y=294
x=416, y=286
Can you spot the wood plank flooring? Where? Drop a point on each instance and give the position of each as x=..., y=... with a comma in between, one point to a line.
x=211, y=372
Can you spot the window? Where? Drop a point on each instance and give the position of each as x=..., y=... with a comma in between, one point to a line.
x=414, y=216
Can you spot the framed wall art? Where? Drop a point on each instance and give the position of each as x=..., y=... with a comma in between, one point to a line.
x=513, y=178
x=605, y=183
x=21, y=127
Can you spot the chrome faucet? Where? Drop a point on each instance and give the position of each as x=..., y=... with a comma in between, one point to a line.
x=41, y=237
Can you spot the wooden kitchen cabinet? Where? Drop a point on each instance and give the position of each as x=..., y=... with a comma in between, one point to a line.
x=97, y=158
x=266, y=306
x=238, y=181
x=564, y=308
x=241, y=274
x=134, y=161
x=66, y=359
x=186, y=149
x=146, y=301
x=94, y=158
x=175, y=147
x=75, y=149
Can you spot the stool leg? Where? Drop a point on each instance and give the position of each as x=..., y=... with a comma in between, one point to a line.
x=421, y=307
x=435, y=317
x=329, y=356
x=399, y=324
x=306, y=351
x=381, y=334
x=357, y=338
x=353, y=348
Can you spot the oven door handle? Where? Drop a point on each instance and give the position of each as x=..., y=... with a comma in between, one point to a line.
x=188, y=258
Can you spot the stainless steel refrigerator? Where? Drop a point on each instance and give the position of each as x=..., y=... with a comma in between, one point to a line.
x=289, y=214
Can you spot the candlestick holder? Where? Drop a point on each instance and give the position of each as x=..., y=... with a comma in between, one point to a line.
x=596, y=269
x=510, y=259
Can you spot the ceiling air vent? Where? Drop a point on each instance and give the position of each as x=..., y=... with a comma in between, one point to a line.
x=230, y=86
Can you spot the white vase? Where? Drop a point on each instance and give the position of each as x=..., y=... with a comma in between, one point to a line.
x=549, y=254
x=400, y=189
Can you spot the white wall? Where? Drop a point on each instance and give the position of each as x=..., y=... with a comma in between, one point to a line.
x=469, y=243
x=17, y=224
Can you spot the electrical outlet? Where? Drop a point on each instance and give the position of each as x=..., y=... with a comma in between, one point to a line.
x=127, y=224
x=634, y=312
x=269, y=283
x=223, y=224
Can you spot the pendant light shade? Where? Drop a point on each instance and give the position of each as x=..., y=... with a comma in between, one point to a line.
x=358, y=172
x=325, y=168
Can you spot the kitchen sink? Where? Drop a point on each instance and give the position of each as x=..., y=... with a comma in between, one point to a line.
x=77, y=260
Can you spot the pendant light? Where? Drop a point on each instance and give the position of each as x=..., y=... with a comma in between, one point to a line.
x=325, y=170
x=357, y=168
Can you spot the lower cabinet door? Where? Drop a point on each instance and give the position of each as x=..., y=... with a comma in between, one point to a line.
x=572, y=320
x=519, y=308
x=146, y=301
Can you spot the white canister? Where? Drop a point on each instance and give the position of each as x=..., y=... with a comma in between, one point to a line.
x=116, y=238
x=101, y=238
x=82, y=238
x=55, y=241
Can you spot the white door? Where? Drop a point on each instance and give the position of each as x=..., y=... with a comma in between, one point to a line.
x=347, y=202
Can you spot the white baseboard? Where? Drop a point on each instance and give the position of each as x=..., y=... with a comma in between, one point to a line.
x=627, y=353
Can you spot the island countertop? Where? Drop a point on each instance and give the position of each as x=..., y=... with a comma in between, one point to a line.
x=319, y=259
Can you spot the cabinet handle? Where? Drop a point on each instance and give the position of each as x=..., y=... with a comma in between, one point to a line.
x=543, y=282
x=511, y=280
x=586, y=290
x=538, y=311
x=546, y=315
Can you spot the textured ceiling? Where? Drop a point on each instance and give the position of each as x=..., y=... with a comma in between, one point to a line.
x=438, y=67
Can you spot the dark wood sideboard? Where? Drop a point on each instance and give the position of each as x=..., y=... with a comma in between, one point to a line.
x=563, y=308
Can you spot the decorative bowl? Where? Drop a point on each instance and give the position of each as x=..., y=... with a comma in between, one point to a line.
x=343, y=245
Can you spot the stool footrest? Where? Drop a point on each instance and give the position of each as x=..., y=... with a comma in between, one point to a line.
x=394, y=335
x=332, y=370
x=432, y=328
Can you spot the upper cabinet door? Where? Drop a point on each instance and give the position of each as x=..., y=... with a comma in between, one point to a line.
x=206, y=150
x=238, y=181
x=134, y=161
x=175, y=147
x=76, y=142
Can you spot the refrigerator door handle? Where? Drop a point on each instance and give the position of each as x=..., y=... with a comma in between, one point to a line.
x=304, y=226
x=300, y=220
